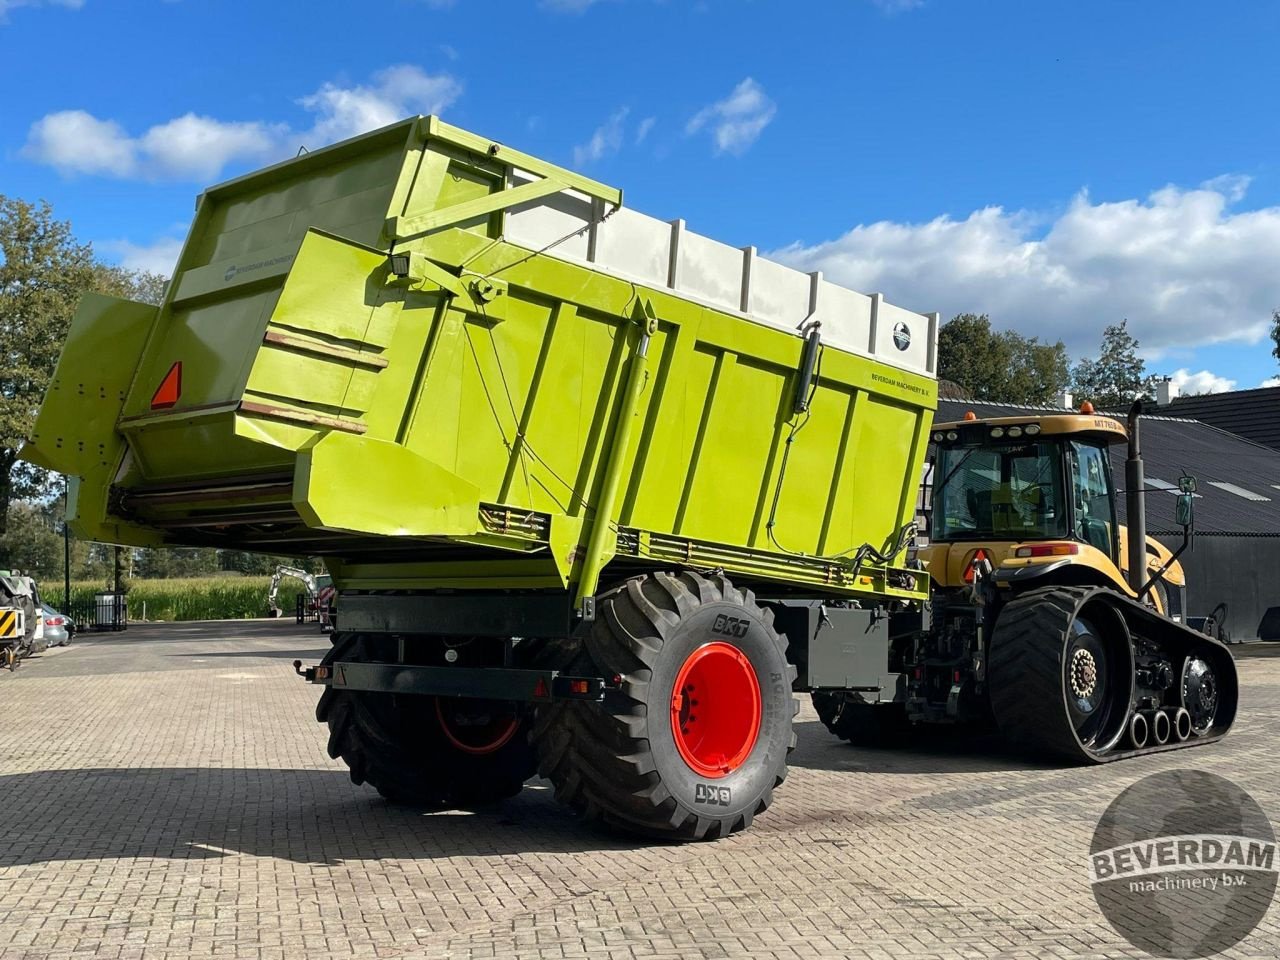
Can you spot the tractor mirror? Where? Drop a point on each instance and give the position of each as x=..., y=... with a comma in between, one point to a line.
x=1187, y=483
x=1184, y=511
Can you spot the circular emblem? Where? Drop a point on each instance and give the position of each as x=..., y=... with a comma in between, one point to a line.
x=1183, y=864
x=231, y=272
x=901, y=335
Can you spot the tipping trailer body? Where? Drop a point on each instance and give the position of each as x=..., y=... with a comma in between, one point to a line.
x=441, y=363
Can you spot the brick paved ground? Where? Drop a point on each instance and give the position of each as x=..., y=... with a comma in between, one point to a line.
x=166, y=794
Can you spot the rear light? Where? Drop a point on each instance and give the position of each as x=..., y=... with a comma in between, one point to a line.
x=580, y=687
x=55, y=621
x=1047, y=550
x=955, y=677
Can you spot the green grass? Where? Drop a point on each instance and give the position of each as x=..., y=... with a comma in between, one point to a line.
x=191, y=598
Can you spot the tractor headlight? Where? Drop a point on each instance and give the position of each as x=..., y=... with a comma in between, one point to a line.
x=1015, y=432
x=1033, y=429
x=997, y=433
x=937, y=436
x=952, y=436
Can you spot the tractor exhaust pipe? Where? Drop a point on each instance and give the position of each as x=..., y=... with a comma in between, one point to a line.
x=1138, y=731
x=1182, y=724
x=1161, y=728
x=1135, y=482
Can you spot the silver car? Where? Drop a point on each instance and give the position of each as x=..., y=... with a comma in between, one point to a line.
x=58, y=628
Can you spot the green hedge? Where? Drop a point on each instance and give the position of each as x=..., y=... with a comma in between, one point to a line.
x=191, y=598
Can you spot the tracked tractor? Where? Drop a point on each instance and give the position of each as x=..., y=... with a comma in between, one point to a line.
x=1048, y=617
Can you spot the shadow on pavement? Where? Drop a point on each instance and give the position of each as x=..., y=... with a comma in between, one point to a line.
x=306, y=816
x=936, y=750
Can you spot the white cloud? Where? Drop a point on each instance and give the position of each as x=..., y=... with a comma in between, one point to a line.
x=1188, y=383
x=77, y=142
x=1270, y=382
x=645, y=128
x=193, y=147
x=1181, y=265
x=738, y=119
x=7, y=5
x=199, y=147
x=395, y=93
x=159, y=257
x=568, y=6
x=605, y=141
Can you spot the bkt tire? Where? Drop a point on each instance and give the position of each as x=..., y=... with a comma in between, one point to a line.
x=433, y=751
x=695, y=741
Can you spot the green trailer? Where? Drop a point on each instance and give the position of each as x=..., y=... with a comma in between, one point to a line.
x=553, y=452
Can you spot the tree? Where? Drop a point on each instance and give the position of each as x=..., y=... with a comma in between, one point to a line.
x=1003, y=366
x=1275, y=332
x=43, y=273
x=34, y=545
x=152, y=563
x=1118, y=376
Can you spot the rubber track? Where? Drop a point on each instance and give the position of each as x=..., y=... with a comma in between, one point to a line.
x=1025, y=669
x=597, y=755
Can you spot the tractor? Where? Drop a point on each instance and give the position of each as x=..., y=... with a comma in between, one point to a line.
x=1047, y=617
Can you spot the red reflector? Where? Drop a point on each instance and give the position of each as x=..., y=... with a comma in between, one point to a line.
x=919, y=673
x=170, y=388
x=955, y=677
x=979, y=556
x=578, y=686
x=540, y=690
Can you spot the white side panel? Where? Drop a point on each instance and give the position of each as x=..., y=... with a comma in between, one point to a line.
x=711, y=271
x=633, y=244
x=903, y=338
x=845, y=317
x=779, y=295
x=540, y=223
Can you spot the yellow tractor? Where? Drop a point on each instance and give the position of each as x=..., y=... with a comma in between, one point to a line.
x=1046, y=616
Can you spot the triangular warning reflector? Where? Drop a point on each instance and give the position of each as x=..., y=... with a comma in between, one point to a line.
x=170, y=388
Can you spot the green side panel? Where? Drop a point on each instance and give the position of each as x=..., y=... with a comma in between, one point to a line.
x=473, y=420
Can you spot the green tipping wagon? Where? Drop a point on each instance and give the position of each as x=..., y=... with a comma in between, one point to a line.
x=550, y=449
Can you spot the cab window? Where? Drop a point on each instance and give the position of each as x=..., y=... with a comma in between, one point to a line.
x=1093, y=505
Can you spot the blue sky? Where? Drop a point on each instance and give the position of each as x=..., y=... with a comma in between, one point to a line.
x=1059, y=165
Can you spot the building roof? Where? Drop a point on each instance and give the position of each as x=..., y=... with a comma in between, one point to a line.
x=1172, y=446
x=1253, y=414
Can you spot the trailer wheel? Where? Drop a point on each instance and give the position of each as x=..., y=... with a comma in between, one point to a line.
x=433, y=751
x=696, y=739
x=862, y=724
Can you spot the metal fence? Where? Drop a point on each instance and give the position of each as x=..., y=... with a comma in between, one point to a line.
x=106, y=611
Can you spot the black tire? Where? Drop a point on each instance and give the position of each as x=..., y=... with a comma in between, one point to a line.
x=862, y=724
x=618, y=762
x=400, y=746
x=1028, y=674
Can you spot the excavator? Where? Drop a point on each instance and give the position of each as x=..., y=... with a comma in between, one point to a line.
x=1047, y=617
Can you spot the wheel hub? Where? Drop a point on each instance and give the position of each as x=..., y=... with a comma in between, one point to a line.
x=715, y=709
x=1084, y=674
x=477, y=727
x=1200, y=694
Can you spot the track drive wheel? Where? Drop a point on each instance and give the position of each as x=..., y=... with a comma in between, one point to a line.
x=863, y=724
x=1202, y=692
x=434, y=751
x=696, y=739
x=1061, y=673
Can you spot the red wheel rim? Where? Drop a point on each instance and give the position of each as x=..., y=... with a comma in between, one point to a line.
x=483, y=736
x=715, y=709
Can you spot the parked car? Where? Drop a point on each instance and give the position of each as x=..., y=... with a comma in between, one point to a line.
x=58, y=627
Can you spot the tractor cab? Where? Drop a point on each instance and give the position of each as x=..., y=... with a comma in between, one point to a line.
x=1026, y=479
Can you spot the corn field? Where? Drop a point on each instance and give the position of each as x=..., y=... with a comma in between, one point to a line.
x=191, y=598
